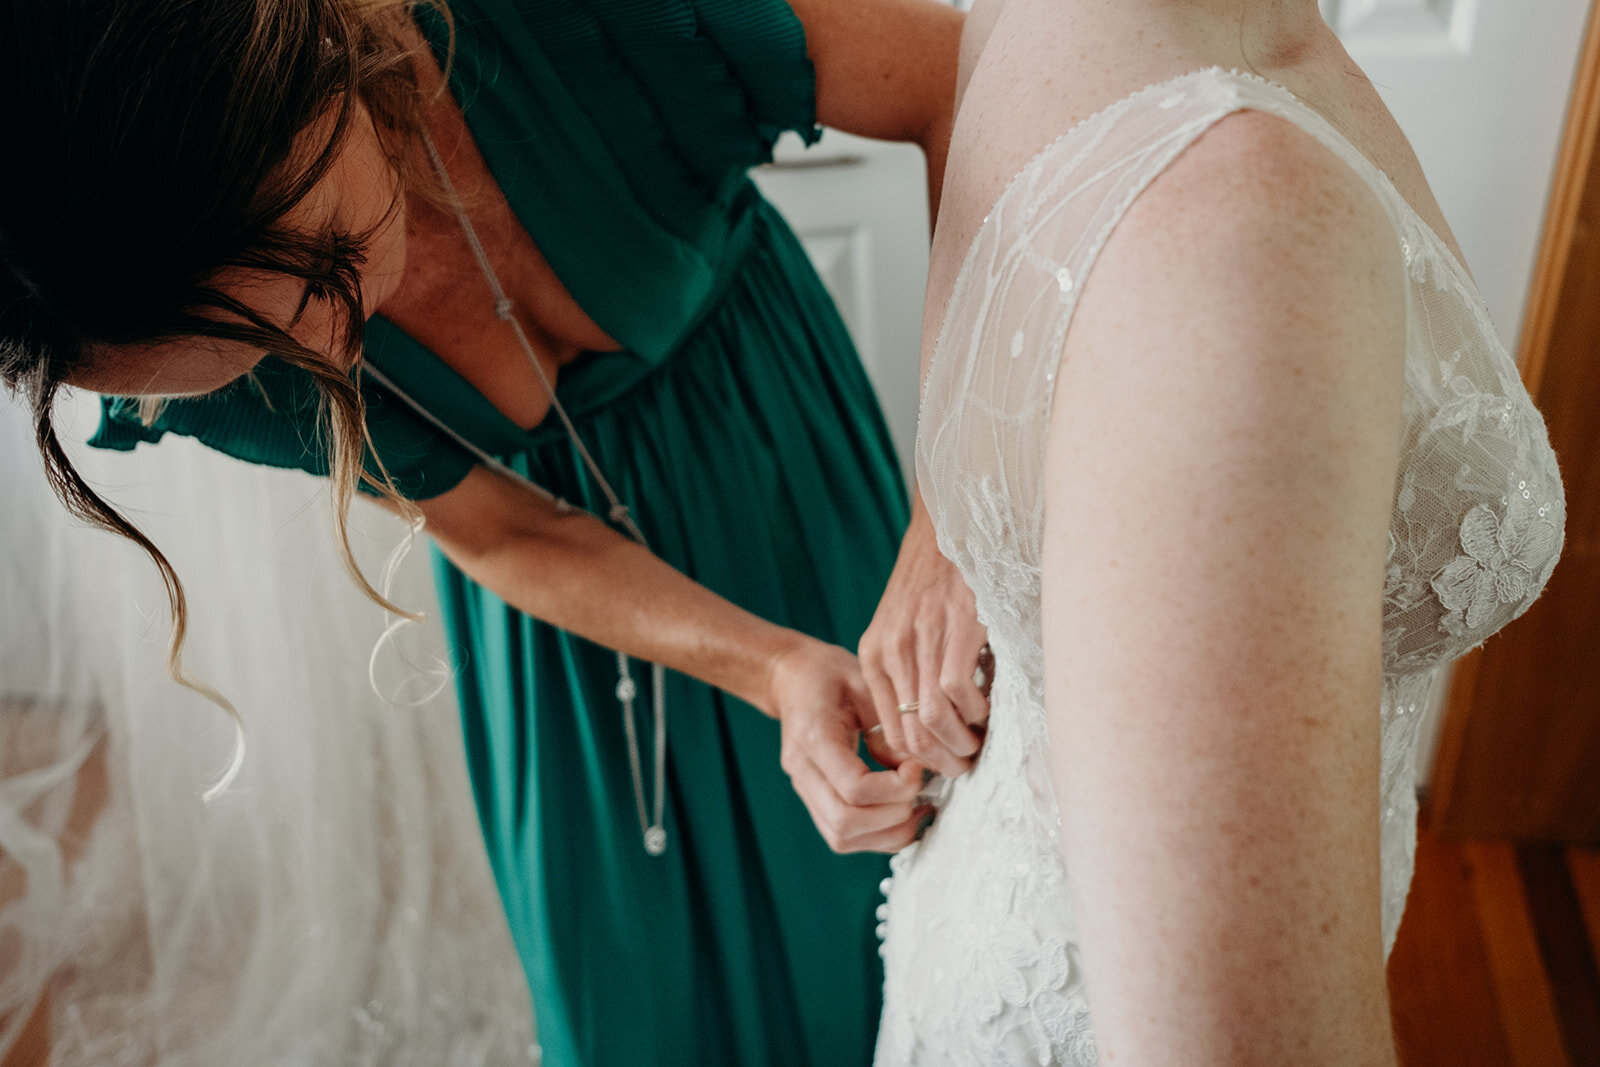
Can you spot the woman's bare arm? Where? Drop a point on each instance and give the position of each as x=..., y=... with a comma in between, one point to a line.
x=1220, y=475
x=572, y=571
x=886, y=69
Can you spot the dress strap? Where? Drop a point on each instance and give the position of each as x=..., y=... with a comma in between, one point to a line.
x=1258, y=94
x=990, y=385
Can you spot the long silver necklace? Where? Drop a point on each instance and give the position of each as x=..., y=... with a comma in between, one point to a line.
x=651, y=823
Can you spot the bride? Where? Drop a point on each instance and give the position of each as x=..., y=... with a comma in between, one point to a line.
x=1216, y=427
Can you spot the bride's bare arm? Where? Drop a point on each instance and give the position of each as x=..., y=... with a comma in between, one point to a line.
x=981, y=18
x=1221, y=470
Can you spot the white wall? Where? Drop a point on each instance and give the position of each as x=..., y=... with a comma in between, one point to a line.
x=1481, y=88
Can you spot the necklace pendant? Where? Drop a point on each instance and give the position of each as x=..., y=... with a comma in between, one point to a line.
x=655, y=840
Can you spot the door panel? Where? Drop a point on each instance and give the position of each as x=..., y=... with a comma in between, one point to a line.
x=860, y=208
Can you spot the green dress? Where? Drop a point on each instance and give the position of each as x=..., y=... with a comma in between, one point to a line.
x=740, y=428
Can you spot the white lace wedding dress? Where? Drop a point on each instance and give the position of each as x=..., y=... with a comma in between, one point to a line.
x=980, y=947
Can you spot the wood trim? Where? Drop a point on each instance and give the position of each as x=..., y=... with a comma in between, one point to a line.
x=1492, y=966
x=1585, y=868
x=1558, y=924
x=1442, y=989
x=1522, y=989
x=1443, y=787
x=1561, y=213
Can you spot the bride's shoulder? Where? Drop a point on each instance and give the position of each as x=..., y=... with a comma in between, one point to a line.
x=1256, y=264
x=1257, y=163
x=1262, y=198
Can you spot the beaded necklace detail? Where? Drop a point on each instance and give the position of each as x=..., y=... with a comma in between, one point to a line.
x=651, y=822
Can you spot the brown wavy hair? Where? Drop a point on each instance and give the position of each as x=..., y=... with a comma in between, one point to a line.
x=155, y=143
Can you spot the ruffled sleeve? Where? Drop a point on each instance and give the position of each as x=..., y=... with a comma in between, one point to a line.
x=271, y=417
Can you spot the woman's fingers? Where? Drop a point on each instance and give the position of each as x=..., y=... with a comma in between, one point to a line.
x=836, y=759
x=916, y=721
x=879, y=748
x=966, y=656
x=850, y=827
x=920, y=653
x=940, y=715
x=821, y=744
x=895, y=837
x=881, y=688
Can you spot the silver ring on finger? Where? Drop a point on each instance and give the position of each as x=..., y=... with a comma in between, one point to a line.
x=908, y=707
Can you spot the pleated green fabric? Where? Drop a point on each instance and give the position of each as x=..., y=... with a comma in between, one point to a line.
x=739, y=426
x=756, y=463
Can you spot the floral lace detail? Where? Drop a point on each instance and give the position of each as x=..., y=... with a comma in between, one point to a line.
x=1507, y=561
x=985, y=555
x=994, y=973
x=980, y=945
x=1471, y=409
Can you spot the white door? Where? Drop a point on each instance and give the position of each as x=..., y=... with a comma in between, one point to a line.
x=1480, y=87
x=860, y=208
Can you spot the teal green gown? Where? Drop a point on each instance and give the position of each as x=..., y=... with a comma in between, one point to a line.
x=740, y=428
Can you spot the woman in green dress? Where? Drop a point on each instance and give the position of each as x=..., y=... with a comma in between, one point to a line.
x=600, y=149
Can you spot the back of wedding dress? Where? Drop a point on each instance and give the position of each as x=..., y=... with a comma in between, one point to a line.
x=980, y=943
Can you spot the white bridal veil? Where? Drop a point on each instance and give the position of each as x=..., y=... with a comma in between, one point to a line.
x=335, y=905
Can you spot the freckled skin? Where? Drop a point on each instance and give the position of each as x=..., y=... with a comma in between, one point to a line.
x=1212, y=643
x=444, y=302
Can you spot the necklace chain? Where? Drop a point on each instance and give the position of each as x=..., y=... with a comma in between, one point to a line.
x=651, y=822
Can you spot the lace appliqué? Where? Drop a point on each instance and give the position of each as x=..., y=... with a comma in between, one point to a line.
x=989, y=559
x=1505, y=560
x=993, y=976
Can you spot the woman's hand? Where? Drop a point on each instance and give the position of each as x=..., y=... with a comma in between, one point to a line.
x=921, y=653
x=574, y=572
x=818, y=695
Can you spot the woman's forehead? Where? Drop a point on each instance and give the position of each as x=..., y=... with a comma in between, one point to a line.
x=178, y=366
x=355, y=195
